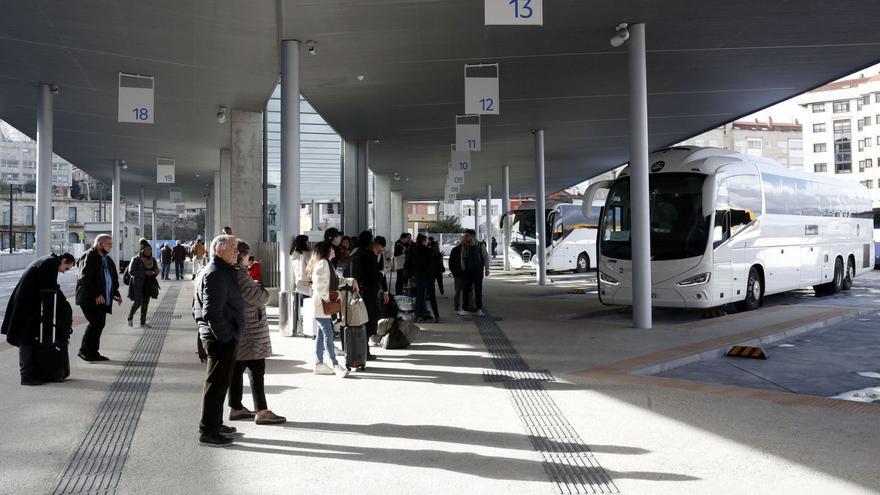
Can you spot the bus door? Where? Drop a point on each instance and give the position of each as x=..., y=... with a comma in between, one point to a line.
x=722, y=251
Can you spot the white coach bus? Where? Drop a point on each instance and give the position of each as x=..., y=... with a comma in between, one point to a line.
x=571, y=239
x=732, y=228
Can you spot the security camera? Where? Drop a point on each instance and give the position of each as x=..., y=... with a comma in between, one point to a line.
x=221, y=115
x=622, y=35
x=53, y=88
x=310, y=46
x=123, y=165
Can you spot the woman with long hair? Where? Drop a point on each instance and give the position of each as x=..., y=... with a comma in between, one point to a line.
x=325, y=284
x=299, y=255
x=143, y=286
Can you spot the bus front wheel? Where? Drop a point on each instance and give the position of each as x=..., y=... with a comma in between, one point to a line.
x=583, y=263
x=754, y=291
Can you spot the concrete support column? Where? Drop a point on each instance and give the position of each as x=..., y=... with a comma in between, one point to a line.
x=505, y=210
x=289, y=193
x=226, y=190
x=45, y=124
x=154, y=236
x=489, y=229
x=382, y=207
x=246, y=165
x=209, y=217
x=540, y=218
x=316, y=215
x=115, y=211
x=215, y=213
x=355, y=202
x=141, y=219
x=638, y=185
x=398, y=216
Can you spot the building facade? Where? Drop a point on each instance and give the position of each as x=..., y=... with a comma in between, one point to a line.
x=782, y=142
x=842, y=131
x=18, y=162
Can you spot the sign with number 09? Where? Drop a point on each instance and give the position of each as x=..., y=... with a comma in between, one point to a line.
x=136, y=98
x=481, y=90
x=514, y=12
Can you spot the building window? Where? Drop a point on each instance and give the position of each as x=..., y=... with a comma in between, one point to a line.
x=868, y=183
x=818, y=147
x=842, y=147
x=860, y=124
x=97, y=214
x=6, y=219
x=754, y=146
x=819, y=127
x=861, y=165
x=841, y=106
x=867, y=121
x=432, y=209
x=820, y=167
x=53, y=213
x=877, y=119
x=71, y=214
x=869, y=162
x=28, y=215
x=876, y=97
x=818, y=107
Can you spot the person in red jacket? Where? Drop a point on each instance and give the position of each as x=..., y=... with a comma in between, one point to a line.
x=254, y=270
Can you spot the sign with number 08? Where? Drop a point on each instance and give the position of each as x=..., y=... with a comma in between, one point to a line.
x=514, y=12
x=481, y=89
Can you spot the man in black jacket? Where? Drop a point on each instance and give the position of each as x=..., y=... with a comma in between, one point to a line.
x=178, y=255
x=96, y=288
x=21, y=323
x=420, y=265
x=363, y=266
x=218, y=308
x=457, y=276
x=401, y=249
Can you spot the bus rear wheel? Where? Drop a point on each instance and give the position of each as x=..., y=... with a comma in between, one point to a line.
x=836, y=284
x=848, y=276
x=754, y=291
x=583, y=263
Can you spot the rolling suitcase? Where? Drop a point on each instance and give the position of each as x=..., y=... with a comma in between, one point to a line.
x=53, y=361
x=354, y=340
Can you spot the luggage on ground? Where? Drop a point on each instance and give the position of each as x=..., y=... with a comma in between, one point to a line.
x=53, y=362
x=354, y=341
x=308, y=317
x=406, y=307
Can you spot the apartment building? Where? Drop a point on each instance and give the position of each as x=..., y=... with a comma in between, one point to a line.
x=782, y=142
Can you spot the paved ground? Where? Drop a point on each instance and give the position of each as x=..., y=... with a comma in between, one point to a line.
x=435, y=419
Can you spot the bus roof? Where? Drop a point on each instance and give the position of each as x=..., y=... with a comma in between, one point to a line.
x=705, y=160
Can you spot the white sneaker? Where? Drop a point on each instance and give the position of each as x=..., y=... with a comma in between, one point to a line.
x=462, y=312
x=340, y=371
x=480, y=312
x=323, y=369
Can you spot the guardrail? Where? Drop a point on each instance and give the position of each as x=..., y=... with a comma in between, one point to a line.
x=15, y=261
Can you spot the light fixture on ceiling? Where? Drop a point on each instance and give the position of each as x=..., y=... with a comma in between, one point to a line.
x=197, y=176
x=123, y=165
x=360, y=77
x=376, y=141
x=396, y=176
x=622, y=35
x=222, y=113
x=310, y=46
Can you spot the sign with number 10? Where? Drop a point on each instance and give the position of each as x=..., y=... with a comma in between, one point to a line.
x=461, y=161
x=514, y=12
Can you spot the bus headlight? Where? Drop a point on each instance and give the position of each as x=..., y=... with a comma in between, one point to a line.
x=700, y=279
x=607, y=279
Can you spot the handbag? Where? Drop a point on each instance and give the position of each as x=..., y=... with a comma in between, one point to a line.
x=357, y=311
x=332, y=306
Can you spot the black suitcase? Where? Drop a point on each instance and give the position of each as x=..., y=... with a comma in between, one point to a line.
x=354, y=340
x=51, y=357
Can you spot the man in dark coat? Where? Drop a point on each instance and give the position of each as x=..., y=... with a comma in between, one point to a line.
x=178, y=255
x=96, y=288
x=420, y=265
x=165, y=254
x=363, y=267
x=21, y=323
x=218, y=309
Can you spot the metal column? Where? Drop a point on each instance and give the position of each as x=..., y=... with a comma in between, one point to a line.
x=505, y=210
x=316, y=216
x=489, y=230
x=540, y=219
x=154, y=236
x=638, y=135
x=141, y=219
x=289, y=186
x=116, y=194
x=45, y=118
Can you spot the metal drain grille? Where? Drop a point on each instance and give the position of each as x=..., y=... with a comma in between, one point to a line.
x=568, y=461
x=96, y=465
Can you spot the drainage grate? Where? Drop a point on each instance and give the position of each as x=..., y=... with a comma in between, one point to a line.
x=568, y=461
x=97, y=463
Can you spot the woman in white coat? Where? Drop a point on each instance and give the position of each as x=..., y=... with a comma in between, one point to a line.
x=299, y=255
x=324, y=281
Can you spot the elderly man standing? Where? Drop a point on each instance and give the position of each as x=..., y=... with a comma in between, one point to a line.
x=218, y=308
x=97, y=286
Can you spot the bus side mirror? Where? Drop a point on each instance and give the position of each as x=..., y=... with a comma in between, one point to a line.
x=590, y=196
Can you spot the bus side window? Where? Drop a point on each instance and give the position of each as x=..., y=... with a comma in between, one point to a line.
x=721, y=229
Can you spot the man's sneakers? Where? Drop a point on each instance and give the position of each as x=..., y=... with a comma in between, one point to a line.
x=146, y=325
x=31, y=381
x=215, y=439
x=323, y=369
x=269, y=418
x=340, y=371
x=480, y=312
x=227, y=431
x=464, y=312
x=130, y=323
x=241, y=414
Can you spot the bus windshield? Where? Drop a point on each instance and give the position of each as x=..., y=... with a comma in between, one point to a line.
x=522, y=226
x=678, y=227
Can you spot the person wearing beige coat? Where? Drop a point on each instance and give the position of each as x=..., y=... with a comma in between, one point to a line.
x=324, y=282
x=253, y=348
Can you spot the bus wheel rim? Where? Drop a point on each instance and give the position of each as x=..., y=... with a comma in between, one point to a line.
x=756, y=289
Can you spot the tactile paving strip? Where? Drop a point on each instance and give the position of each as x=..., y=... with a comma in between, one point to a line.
x=568, y=461
x=96, y=465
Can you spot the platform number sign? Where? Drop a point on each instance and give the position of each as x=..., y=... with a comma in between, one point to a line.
x=461, y=160
x=481, y=95
x=514, y=12
x=467, y=132
x=136, y=98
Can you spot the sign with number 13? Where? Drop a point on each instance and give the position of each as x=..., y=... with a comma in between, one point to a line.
x=514, y=12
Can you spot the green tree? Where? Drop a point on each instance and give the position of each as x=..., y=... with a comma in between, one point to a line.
x=30, y=186
x=447, y=225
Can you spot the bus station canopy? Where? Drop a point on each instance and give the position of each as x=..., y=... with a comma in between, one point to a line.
x=392, y=72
